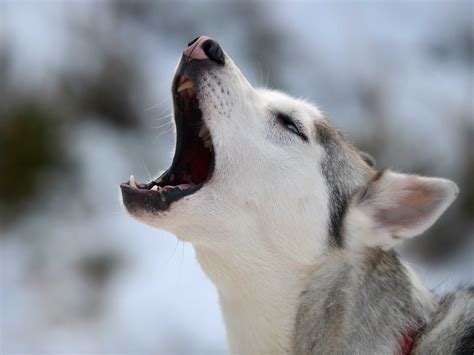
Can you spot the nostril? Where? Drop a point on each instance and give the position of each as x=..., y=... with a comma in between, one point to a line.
x=193, y=41
x=213, y=51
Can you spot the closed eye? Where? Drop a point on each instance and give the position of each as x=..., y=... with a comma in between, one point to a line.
x=290, y=125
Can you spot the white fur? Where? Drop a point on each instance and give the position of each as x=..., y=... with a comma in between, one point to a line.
x=260, y=226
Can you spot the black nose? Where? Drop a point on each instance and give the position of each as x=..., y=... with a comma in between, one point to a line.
x=204, y=47
x=213, y=51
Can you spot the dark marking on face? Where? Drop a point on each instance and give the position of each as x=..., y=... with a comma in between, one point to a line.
x=342, y=167
x=333, y=171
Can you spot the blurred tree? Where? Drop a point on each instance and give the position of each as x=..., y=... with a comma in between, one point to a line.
x=110, y=90
x=30, y=146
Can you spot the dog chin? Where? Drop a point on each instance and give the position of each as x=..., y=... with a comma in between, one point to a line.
x=182, y=218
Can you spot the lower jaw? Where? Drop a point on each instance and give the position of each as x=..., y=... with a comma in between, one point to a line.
x=138, y=200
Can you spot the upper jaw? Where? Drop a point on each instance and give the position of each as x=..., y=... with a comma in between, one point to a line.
x=193, y=162
x=194, y=70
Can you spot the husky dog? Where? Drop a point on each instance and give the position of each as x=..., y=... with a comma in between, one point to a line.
x=294, y=225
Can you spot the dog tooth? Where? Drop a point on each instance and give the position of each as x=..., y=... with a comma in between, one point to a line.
x=183, y=186
x=132, y=182
x=154, y=188
x=203, y=131
x=186, y=85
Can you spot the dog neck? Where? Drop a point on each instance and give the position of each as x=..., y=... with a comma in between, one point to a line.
x=258, y=291
x=258, y=299
x=261, y=293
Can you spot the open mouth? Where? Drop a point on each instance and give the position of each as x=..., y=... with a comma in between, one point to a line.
x=193, y=162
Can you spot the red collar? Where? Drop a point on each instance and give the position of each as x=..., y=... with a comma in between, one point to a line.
x=407, y=343
x=408, y=339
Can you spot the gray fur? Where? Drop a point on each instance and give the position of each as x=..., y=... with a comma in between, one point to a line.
x=451, y=329
x=358, y=301
x=353, y=306
x=365, y=305
x=342, y=179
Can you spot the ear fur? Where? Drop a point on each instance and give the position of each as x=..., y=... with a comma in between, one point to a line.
x=394, y=207
x=369, y=159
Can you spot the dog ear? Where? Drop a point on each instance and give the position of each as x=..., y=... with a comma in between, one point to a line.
x=369, y=159
x=394, y=207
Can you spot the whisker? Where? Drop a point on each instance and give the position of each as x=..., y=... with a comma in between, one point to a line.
x=117, y=213
x=172, y=253
x=260, y=72
x=163, y=117
x=158, y=104
x=165, y=131
x=146, y=169
x=163, y=125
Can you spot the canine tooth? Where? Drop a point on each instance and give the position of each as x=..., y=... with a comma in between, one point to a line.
x=208, y=143
x=186, y=85
x=132, y=182
x=203, y=132
x=154, y=188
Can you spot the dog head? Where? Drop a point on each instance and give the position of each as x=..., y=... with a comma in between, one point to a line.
x=260, y=169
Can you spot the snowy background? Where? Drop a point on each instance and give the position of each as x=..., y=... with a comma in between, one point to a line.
x=85, y=101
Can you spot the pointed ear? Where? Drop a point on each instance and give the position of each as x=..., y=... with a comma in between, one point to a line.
x=394, y=207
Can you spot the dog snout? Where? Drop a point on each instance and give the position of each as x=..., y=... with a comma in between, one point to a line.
x=202, y=48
